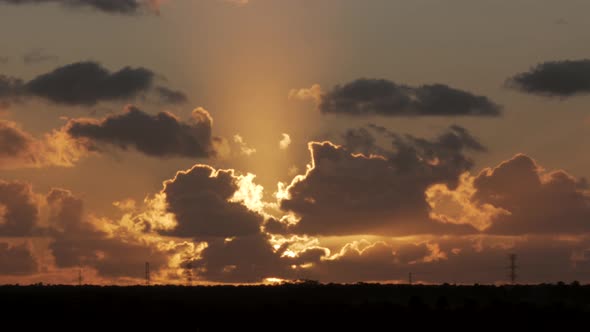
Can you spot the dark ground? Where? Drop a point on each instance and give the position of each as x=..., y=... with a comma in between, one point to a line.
x=298, y=306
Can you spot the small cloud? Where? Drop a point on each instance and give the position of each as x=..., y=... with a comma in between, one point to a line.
x=244, y=148
x=285, y=142
x=312, y=93
x=554, y=79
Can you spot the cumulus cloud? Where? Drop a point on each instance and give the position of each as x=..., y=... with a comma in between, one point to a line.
x=86, y=84
x=285, y=141
x=127, y=7
x=248, y=258
x=201, y=198
x=517, y=197
x=77, y=242
x=160, y=135
x=365, y=97
x=313, y=93
x=344, y=193
x=221, y=209
x=554, y=78
x=18, y=209
x=538, y=201
x=20, y=149
x=16, y=260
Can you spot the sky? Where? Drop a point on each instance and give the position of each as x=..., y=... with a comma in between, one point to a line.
x=265, y=140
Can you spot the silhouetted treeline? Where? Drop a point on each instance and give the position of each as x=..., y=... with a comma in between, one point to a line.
x=206, y=307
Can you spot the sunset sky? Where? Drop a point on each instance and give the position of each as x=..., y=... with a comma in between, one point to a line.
x=258, y=140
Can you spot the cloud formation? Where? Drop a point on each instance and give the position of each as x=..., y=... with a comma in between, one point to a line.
x=518, y=197
x=18, y=209
x=16, y=260
x=86, y=84
x=201, y=198
x=160, y=135
x=127, y=7
x=343, y=193
x=364, y=97
x=20, y=149
x=554, y=78
x=77, y=242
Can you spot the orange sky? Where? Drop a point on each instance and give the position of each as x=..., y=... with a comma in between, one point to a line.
x=332, y=140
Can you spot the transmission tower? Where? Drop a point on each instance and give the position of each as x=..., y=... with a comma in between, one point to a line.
x=512, y=267
x=410, y=278
x=188, y=272
x=80, y=277
x=147, y=273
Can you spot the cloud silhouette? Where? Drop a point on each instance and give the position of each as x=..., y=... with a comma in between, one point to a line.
x=16, y=260
x=517, y=197
x=160, y=135
x=364, y=97
x=127, y=7
x=19, y=212
x=344, y=193
x=86, y=84
x=20, y=149
x=77, y=242
x=201, y=200
x=554, y=78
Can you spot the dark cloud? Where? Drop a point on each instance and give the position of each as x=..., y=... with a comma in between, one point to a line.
x=203, y=202
x=555, y=78
x=160, y=135
x=86, y=84
x=16, y=260
x=360, y=140
x=200, y=200
x=38, y=55
x=382, y=97
x=537, y=201
x=19, y=149
x=14, y=142
x=248, y=258
x=347, y=194
x=79, y=243
x=18, y=209
x=126, y=7
x=169, y=96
